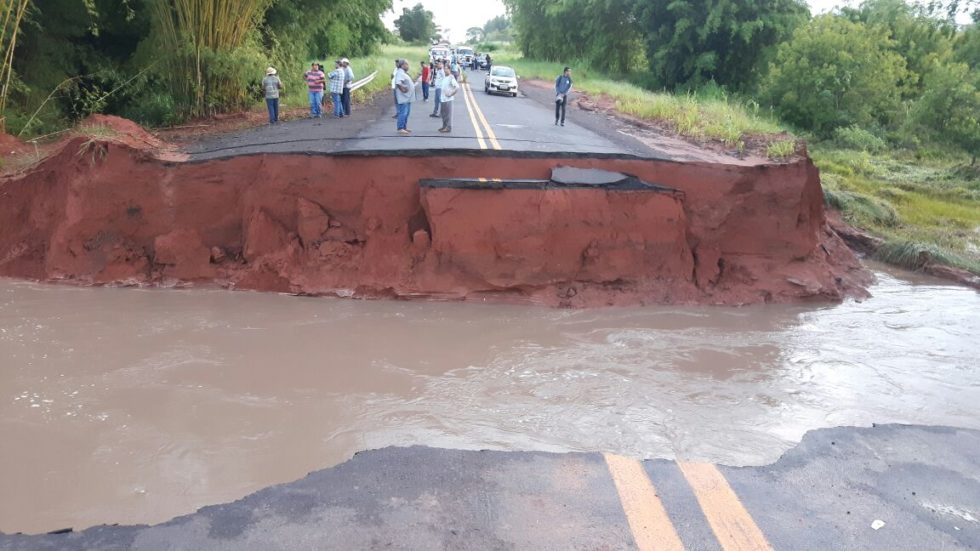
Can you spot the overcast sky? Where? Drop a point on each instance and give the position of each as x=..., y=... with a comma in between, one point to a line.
x=459, y=15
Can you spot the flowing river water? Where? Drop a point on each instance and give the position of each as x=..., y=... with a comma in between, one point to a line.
x=133, y=406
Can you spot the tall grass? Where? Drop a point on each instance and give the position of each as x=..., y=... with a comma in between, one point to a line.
x=11, y=15
x=925, y=209
x=202, y=45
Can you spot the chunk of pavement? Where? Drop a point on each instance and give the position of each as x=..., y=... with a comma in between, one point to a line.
x=570, y=175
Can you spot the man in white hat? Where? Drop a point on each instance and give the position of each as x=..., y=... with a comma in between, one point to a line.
x=272, y=86
x=348, y=81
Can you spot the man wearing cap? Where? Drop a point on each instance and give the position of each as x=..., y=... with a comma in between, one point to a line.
x=272, y=86
x=348, y=81
x=315, y=82
x=337, y=89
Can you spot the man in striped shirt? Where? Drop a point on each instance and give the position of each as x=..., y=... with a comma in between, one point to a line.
x=315, y=81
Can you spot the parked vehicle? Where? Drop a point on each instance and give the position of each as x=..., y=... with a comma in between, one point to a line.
x=464, y=55
x=438, y=53
x=481, y=61
x=501, y=80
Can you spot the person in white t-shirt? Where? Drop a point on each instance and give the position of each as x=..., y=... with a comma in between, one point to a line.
x=448, y=88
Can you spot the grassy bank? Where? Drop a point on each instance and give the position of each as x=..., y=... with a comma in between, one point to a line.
x=926, y=209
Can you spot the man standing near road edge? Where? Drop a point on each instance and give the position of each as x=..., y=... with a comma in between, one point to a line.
x=272, y=86
x=404, y=95
x=448, y=87
x=563, y=85
x=337, y=89
x=348, y=81
x=437, y=77
x=315, y=82
x=394, y=92
x=426, y=75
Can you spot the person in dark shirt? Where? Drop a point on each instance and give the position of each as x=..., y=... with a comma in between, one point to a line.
x=563, y=85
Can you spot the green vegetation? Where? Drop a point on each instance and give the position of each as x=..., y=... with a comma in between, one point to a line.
x=926, y=204
x=416, y=25
x=162, y=61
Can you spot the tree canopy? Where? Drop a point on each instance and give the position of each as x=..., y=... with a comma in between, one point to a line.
x=416, y=24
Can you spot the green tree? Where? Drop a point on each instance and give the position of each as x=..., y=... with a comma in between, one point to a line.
x=949, y=109
x=690, y=42
x=835, y=72
x=967, y=44
x=474, y=34
x=416, y=24
x=602, y=32
x=922, y=40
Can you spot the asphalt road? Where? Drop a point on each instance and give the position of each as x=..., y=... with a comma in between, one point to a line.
x=481, y=122
x=888, y=487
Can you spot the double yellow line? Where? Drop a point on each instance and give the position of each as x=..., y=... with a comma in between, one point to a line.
x=648, y=519
x=477, y=119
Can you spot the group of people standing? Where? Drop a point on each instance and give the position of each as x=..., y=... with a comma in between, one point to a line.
x=439, y=75
x=340, y=79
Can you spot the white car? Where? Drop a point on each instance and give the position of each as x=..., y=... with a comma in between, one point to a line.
x=501, y=80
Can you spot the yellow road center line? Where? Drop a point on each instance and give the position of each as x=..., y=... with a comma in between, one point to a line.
x=486, y=125
x=730, y=521
x=476, y=125
x=651, y=527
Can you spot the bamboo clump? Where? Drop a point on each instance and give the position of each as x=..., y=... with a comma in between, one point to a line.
x=191, y=29
x=12, y=13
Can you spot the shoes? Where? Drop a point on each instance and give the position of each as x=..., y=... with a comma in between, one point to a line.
x=404, y=132
x=556, y=123
x=394, y=116
x=434, y=116
x=445, y=130
x=563, y=123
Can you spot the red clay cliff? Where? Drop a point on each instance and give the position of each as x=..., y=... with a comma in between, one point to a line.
x=112, y=212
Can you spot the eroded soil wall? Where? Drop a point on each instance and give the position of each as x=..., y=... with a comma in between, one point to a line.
x=361, y=225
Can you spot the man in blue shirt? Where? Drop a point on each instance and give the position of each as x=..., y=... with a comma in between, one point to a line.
x=563, y=85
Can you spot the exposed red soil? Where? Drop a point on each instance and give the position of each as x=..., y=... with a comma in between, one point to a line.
x=363, y=226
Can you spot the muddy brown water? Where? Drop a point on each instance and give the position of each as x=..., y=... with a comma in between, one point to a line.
x=133, y=406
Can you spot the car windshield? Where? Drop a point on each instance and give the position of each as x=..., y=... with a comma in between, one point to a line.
x=465, y=51
x=503, y=72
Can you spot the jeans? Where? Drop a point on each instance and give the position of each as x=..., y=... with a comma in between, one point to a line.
x=404, y=109
x=425, y=91
x=316, y=98
x=345, y=100
x=338, y=108
x=560, y=107
x=447, y=115
x=435, y=108
x=273, y=105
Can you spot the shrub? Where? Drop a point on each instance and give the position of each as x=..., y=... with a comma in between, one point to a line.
x=855, y=137
x=833, y=73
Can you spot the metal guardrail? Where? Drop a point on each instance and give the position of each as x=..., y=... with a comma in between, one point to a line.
x=363, y=81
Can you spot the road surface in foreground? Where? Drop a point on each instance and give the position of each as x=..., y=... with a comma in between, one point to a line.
x=886, y=487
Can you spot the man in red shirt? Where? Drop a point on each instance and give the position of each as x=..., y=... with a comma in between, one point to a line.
x=426, y=72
